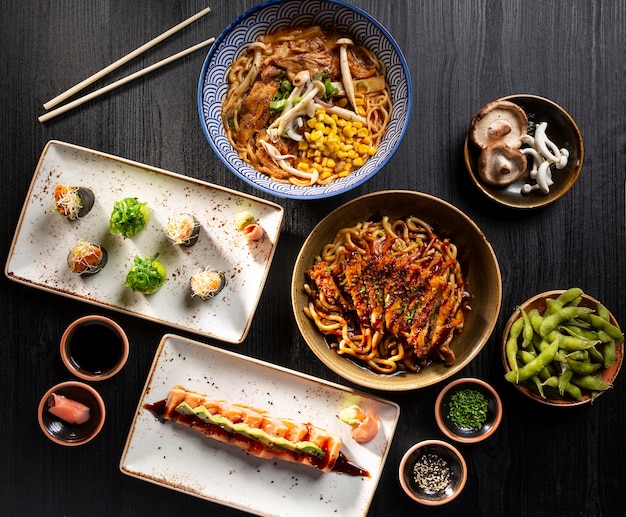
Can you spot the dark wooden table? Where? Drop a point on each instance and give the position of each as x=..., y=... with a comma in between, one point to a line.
x=461, y=53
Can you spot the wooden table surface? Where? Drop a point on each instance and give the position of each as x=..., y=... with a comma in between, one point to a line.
x=461, y=54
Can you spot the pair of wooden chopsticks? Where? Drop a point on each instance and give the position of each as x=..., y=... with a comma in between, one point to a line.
x=68, y=93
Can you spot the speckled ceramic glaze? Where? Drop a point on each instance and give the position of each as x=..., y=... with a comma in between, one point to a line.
x=479, y=265
x=177, y=457
x=38, y=255
x=269, y=17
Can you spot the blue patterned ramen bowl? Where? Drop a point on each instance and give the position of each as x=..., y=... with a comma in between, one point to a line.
x=278, y=14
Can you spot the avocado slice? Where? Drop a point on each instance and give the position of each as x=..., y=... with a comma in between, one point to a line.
x=259, y=435
x=185, y=409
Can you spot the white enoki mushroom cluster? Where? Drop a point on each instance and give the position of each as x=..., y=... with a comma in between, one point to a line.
x=310, y=93
x=544, y=153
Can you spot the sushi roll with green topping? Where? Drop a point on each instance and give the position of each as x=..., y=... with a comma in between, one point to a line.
x=207, y=282
x=183, y=229
x=129, y=217
x=73, y=202
x=86, y=258
x=147, y=275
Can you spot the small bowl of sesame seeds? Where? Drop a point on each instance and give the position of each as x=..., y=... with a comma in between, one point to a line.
x=468, y=410
x=433, y=472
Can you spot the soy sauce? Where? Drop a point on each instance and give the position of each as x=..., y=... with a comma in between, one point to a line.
x=95, y=348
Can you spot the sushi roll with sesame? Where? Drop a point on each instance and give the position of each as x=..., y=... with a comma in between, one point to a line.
x=86, y=258
x=129, y=217
x=72, y=202
x=183, y=229
x=207, y=282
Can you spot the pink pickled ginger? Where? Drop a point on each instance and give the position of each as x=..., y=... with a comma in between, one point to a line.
x=68, y=410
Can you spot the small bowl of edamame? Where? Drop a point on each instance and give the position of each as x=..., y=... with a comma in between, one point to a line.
x=562, y=348
x=468, y=410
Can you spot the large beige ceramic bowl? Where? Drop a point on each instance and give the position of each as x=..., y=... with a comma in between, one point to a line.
x=480, y=268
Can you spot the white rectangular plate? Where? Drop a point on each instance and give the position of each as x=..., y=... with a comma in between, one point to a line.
x=43, y=239
x=180, y=458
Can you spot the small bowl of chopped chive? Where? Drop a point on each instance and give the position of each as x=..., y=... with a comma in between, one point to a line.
x=433, y=472
x=468, y=410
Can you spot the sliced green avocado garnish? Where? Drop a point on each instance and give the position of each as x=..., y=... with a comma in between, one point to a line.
x=259, y=435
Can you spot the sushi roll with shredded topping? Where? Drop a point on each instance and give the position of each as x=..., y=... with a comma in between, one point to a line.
x=86, y=258
x=183, y=229
x=207, y=282
x=73, y=202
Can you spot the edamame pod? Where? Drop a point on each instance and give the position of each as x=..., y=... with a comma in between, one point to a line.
x=603, y=312
x=593, y=382
x=583, y=367
x=535, y=366
x=511, y=344
x=565, y=314
x=601, y=324
x=527, y=330
x=609, y=354
x=569, y=296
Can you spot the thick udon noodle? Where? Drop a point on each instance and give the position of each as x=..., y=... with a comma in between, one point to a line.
x=388, y=294
x=318, y=131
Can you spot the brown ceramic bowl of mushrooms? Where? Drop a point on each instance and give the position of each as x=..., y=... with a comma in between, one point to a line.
x=523, y=151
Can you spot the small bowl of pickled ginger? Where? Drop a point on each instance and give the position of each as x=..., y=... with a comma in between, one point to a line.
x=71, y=413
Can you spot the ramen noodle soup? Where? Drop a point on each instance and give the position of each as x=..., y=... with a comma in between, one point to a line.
x=388, y=294
x=305, y=106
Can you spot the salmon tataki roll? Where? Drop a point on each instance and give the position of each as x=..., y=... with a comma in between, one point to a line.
x=255, y=431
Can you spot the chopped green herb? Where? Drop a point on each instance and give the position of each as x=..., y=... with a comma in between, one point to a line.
x=468, y=409
x=330, y=89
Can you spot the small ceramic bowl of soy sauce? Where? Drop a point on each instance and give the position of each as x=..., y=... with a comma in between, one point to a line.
x=433, y=472
x=94, y=348
x=468, y=410
x=71, y=413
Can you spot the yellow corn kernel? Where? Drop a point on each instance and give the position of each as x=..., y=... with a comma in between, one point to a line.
x=366, y=140
x=316, y=135
x=363, y=149
x=343, y=174
x=362, y=132
x=303, y=145
x=303, y=166
x=327, y=173
x=357, y=162
x=371, y=151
